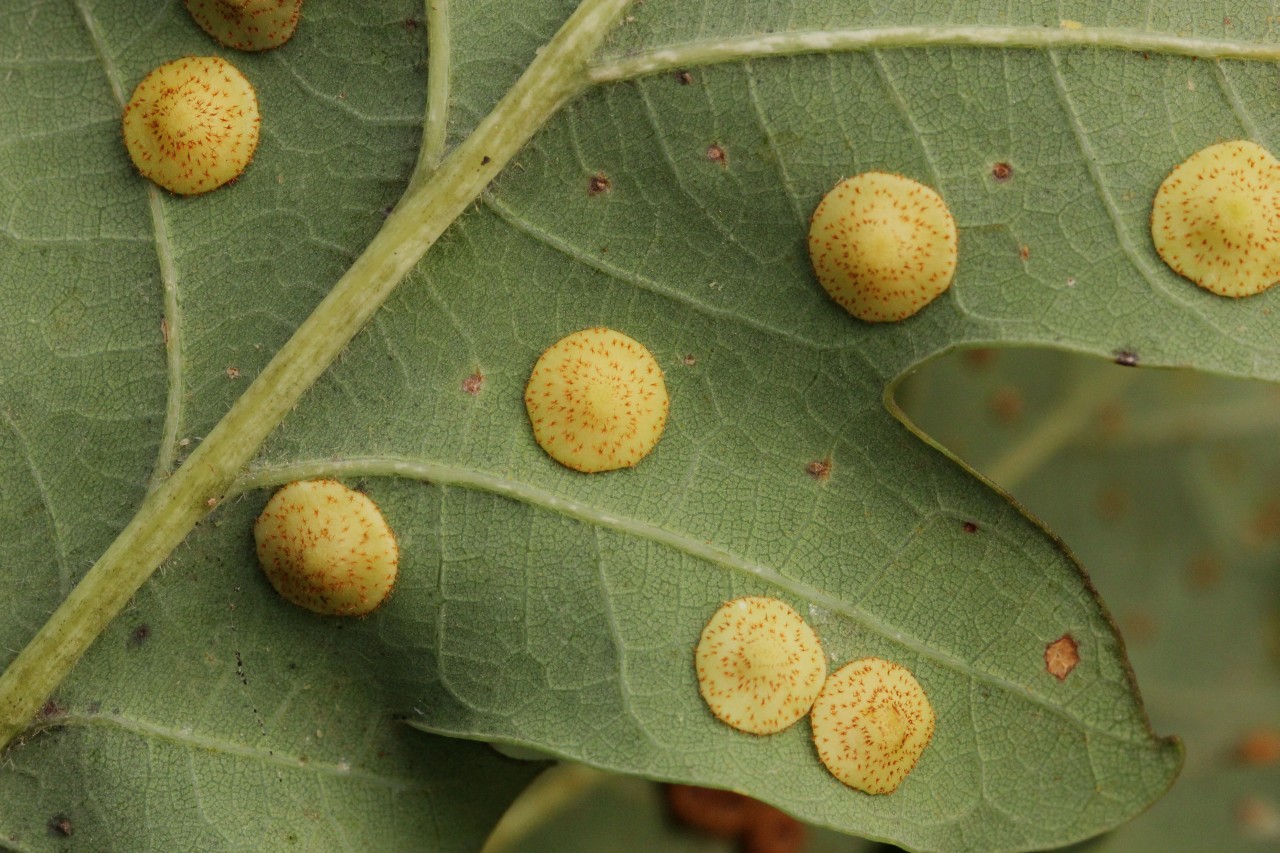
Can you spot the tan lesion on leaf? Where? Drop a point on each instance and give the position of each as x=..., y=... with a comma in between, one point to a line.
x=1204, y=571
x=819, y=469
x=1006, y=405
x=1260, y=747
x=1061, y=656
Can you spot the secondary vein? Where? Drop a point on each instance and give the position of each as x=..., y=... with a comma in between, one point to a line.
x=823, y=41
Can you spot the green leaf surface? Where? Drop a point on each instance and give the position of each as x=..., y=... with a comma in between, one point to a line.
x=1165, y=484
x=556, y=610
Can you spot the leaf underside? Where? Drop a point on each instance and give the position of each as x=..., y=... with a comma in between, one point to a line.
x=539, y=606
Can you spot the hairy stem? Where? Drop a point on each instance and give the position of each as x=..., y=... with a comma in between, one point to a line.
x=169, y=512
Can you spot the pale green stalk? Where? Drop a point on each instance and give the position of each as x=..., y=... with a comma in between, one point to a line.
x=435, y=125
x=738, y=49
x=170, y=511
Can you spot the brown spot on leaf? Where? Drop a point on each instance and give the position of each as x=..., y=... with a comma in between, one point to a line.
x=1061, y=657
x=1113, y=504
x=717, y=155
x=1204, y=571
x=819, y=469
x=689, y=360
x=1258, y=818
x=1138, y=626
x=51, y=710
x=684, y=78
x=979, y=358
x=599, y=183
x=1259, y=747
x=1228, y=464
x=60, y=825
x=969, y=527
x=233, y=373
x=1126, y=358
x=1112, y=419
x=473, y=383
x=1024, y=253
x=1001, y=172
x=140, y=635
x=1006, y=405
x=1265, y=524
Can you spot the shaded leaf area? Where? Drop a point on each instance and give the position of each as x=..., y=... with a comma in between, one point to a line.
x=1165, y=485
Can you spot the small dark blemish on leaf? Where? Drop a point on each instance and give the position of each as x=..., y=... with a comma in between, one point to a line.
x=1126, y=358
x=819, y=469
x=970, y=527
x=1024, y=253
x=1001, y=172
x=684, y=78
x=1113, y=504
x=411, y=24
x=1204, y=571
x=1061, y=656
x=1264, y=526
x=1259, y=747
x=599, y=183
x=486, y=160
x=1006, y=404
x=689, y=360
x=139, y=635
x=1257, y=818
x=51, y=710
x=717, y=155
x=473, y=383
x=979, y=358
x=1138, y=627
x=60, y=825
x=1112, y=420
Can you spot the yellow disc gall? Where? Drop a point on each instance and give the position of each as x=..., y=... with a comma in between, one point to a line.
x=759, y=665
x=327, y=548
x=249, y=25
x=871, y=723
x=597, y=401
x=1216, y=219
x=883, y=246
x=192, y=124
